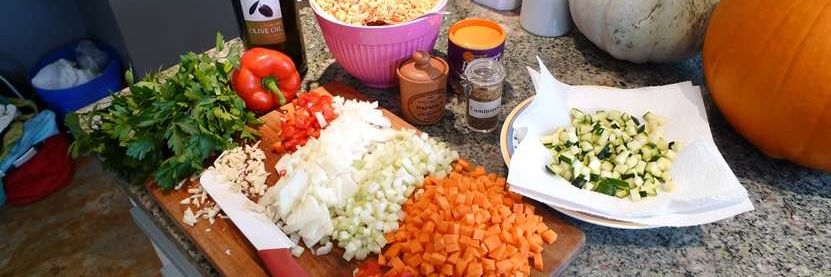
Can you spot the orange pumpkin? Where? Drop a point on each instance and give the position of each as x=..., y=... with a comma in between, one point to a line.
x=768, y=68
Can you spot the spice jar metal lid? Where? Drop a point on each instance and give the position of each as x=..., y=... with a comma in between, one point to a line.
x=422, y=67
x=484, y=72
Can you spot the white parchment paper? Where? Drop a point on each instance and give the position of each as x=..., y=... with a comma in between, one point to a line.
x=706, y=190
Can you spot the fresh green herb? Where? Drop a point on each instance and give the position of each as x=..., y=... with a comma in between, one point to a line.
x=168, y=127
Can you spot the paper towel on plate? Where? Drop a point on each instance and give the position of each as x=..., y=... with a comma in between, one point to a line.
x=705, y=190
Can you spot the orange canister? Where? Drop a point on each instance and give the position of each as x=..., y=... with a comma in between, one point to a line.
x=471, y=39
x=423, y=84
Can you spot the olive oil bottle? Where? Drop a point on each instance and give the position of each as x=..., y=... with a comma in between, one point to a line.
x=272, y=24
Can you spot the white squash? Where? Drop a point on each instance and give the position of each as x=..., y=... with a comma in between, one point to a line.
x=644, y=30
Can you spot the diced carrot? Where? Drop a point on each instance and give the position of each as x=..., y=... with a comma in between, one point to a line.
x=474, y=270
x=466, y=231
x=455, y=228
x=492, y=242
x=489, y=264
x=390, y=237
x=410, y=269
x=451, y=247
x=466, y=224
x=510, y=250
x=479, y=199
x=460, y=268
x=413, y=260
x=393, y=250
x=504, y=266
x=429, y=227
x=464, y=164
x=424, y=237
x=497, y=253
x=478, y=234
x=400, y=236
x=470, y=219
x=534, y=247
x=482, y=216
x=429, y=247
x=382, y=260
x=538, y=261
x=415, y=219
x=447, y=269
x=443, y=226
x=460, y=199
x=397, y=264
x=529, y=209
x=492, y=230
x=507, y=237
x=453, y=258
x=465, y=240
x=524, y=247
x=536, y=238
x=549, y=236
x=438, y=244
x=392, y=273
x=474, y=251
x=436, y=258
x=451, y=238
x=518, y=208
x=518, y=234
x=427, y=268
x=435, y=218
x=443, y=203
x=415, y=246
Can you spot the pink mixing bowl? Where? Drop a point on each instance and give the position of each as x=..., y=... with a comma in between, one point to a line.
x=371, y=53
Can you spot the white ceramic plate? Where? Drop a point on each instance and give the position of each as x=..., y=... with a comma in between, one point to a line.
x=508, y=143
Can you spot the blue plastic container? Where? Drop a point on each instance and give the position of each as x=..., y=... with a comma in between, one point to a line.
x=63, y=101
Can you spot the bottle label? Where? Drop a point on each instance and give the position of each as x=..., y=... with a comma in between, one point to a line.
x=426, y=107
x=483, y=110
x=263, y=21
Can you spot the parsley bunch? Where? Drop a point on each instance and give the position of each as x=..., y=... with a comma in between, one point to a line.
x=168, y=126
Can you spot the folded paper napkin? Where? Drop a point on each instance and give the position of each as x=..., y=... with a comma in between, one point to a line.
x=706, y=190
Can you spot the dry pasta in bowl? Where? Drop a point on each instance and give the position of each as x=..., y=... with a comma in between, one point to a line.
x=376, y=12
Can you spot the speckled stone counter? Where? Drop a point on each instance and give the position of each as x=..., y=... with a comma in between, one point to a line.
x=789, y=233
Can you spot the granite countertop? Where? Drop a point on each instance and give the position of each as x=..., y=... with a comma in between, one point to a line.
x=789, y=233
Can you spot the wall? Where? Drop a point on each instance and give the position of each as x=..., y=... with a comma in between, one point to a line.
x=156, y=32
x=102, y=26
x=31, y=28
x=148, y=34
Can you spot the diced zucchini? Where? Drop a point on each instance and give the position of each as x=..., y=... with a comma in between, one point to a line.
x=635, y=194
x=554, y=168
x=613, y=153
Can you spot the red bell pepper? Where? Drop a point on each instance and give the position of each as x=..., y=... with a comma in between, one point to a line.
x=266, y=79
x=312, y=112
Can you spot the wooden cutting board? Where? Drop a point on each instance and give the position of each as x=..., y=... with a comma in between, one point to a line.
x=232, y=255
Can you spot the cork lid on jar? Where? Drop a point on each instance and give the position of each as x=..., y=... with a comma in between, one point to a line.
x=422, y=68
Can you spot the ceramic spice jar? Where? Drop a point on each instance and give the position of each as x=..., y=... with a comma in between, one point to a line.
x=423, y=81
